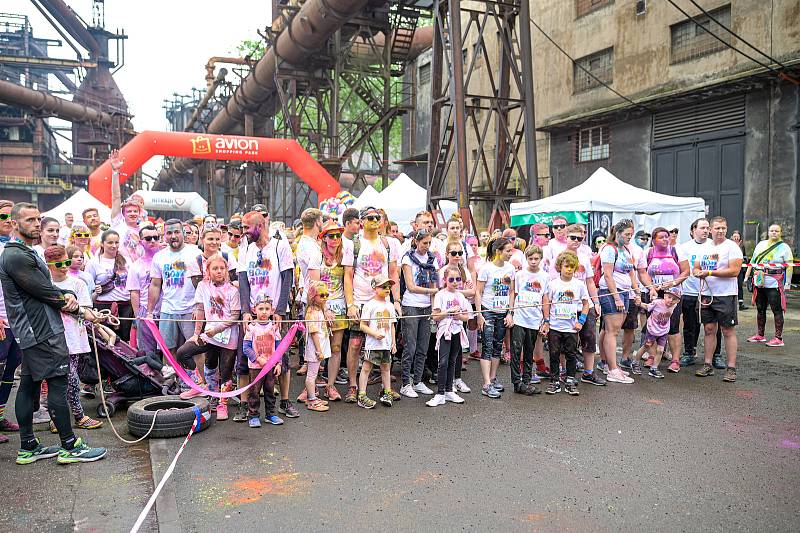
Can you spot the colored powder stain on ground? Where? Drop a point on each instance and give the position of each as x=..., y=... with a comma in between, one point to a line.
x=655, y=402
x=789, y=444
x=747, y=394
x=252, y=490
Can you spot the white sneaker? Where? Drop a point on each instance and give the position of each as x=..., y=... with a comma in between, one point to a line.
x=422, y=388
x=42, y=416
x=409, y=392
x=439, y=399
x=617, y=376
x=460, y=386
x=453, y=397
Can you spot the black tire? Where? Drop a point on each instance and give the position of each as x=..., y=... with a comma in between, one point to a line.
x=174, y=421
x=108, y=406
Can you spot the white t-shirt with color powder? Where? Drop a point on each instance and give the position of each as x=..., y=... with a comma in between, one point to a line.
x=627, y=260
x=74, y=329
x=497, y=286
x=139, y=280
x=412, y=299
x=720, y=257
x=379, y=316
x=317, y=324
x=102, y=270
x=175, y=270
x=309, y=257
x=566, y=301
x=693, y=251
x=529, y=287
x=263, y=267
x=219, y=303
x=371, y=261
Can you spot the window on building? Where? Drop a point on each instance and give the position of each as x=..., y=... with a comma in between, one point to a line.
x=583, y=7
x=425, y=73
x=600, y=64
x=592, y=144
x=689, y=40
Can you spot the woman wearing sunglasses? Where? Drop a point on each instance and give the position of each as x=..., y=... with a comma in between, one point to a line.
x=332, y=274
x=465, y=285
x=109, y=269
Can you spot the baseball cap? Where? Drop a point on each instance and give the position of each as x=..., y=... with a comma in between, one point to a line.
x=675, y=291
x=642, y=233
x=261, y=208
x=366, y=211
x=380, y=280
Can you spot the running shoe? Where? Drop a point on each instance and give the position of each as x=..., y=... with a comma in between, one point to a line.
x=688, y=360
x=241, y=413
x=718, y=362
x=532, y=390
x=655, y=373
x=536, y=379
x=674, y=367
x=461, y=387
x=287, y=408
x=274, y=420
x=625, y=364
x=222, y=411
x=408, y=391
x=593, y=379
x=88, y=423
x=317, y=405
x=636, y=368
x=254, y=422
x=302, y=370
x=453, y=397
x=351, y=396
x=87, y=391
x=497, y=385
x=303, y=396
x=80, y=453
x=374, y=377
x=341, y=377
x=579, y=366
x=648, y=360
x=571, y=388
x=553, y=388
x=386, y=398
x=705, y=371
x=26, y=457
x=602, y=366
x=491, y=392
x=421, y=388
x=730, y=375
x=519, y=388
x=775, y=343
x=8, y=425
x=618, y=376
x=365, y=401
x=42, y=416
x=191, y=393
x=436, y=401
x=395, y=395
x=331, y=393
x=757, y=338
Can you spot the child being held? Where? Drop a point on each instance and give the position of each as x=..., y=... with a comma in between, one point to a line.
x=258, y=346
x=655, y=339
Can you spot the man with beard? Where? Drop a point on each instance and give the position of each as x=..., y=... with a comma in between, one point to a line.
x=174, y=275
x=266, y=269
x=138, y=284
x=33, y=304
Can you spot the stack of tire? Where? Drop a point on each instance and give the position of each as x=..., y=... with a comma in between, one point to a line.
x=174, y=416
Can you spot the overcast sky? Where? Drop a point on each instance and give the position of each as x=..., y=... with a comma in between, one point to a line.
x=169, y=42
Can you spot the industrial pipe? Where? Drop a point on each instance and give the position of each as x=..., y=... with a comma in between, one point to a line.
x=212, y=62
x=73, y=24
x=11, y=93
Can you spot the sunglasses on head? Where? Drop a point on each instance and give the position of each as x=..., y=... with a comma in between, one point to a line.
x=60, y=264
x=455, y=253
x=78, y=234
x=578, y=238
x=454, y=280
x=150, y=238
x=5, y=216
x=333, y=235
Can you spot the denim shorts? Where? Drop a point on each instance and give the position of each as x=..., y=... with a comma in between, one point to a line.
x=607, y=305
x=170, y=329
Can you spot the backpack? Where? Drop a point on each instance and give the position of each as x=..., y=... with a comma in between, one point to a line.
x=224, y=256
x=357, y=246
x=597, y=265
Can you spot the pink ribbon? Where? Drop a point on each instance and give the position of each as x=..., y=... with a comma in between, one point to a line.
x=271, y=362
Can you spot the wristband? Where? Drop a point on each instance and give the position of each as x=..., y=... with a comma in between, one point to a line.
x=582, y=319
x=546, y=321
x=710, y=273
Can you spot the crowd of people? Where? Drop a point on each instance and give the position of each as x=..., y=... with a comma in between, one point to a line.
x=428, y=303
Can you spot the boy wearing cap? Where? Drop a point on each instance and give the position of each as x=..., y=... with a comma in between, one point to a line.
x=378, y=317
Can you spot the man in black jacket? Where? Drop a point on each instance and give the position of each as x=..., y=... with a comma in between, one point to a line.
x=34, y=305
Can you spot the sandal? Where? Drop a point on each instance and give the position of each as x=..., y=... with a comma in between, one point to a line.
x=317, y=405
x=302, y=370
x=88, y=423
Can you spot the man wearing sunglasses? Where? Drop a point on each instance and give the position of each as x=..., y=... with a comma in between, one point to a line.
x=34, y=304
x=138, y=283
x=235, y=242
x=556, y=245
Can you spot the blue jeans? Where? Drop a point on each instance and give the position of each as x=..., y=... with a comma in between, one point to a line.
x=493, y=333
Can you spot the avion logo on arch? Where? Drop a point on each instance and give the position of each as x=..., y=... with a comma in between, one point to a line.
x=224, y=145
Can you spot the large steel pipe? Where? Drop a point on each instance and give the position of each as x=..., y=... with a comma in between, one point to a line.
x=11, y=93
x=70, y=22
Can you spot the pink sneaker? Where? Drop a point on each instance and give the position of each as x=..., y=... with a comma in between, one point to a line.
x=303, y=396
x=222, y=411
x=757, y=338
x=649, y=361
x=776, y=342
x=674, y=366
x=8, y=425
x=189, y=394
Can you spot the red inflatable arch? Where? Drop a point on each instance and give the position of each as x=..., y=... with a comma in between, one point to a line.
x=224, y=147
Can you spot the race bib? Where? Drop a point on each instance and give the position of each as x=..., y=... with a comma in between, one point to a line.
x=499, y=302
x=660, y=279
x=562, y=311
x=223, y=337
x=338, y=307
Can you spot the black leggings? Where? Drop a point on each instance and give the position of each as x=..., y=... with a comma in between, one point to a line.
x=124, y=310
x=449, y=359
x=771, y=297
x=28, y=398
x=215, y=356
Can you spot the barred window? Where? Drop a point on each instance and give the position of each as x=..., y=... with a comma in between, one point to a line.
x=592, y=144
x=600, y=64
x=425, y=74
x=584, y=7
x=690, y=41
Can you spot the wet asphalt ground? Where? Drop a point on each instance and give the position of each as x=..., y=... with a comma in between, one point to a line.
x=681, y=454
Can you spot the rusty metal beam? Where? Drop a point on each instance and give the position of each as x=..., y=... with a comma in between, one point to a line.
x=45, y=62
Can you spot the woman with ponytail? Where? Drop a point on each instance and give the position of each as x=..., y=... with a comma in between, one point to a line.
x=109, y=268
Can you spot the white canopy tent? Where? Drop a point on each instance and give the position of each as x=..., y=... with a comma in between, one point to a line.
x=369, y=198
x=402, y=200
x=605, y=193
x=76, y=204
